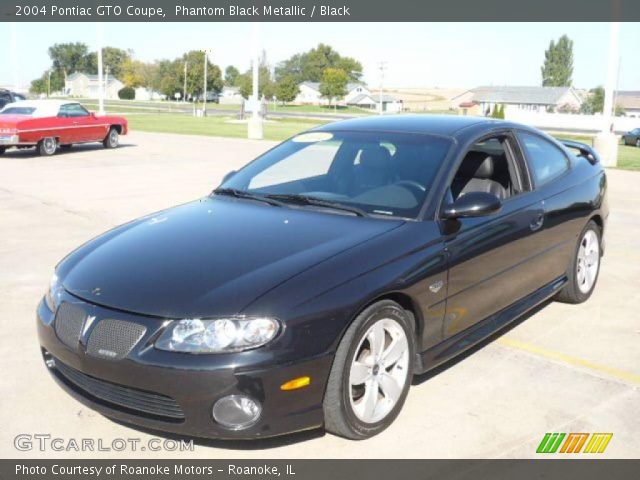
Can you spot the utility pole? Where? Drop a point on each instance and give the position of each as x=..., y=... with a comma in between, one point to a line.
x=106, y=80
x=48, y=83
x=100, y=86
x=184, y=89
x=204, y=95
x=606, y=141
x=382, y=66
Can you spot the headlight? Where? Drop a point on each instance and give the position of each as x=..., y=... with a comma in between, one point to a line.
x=52, y=297
x=221, y=335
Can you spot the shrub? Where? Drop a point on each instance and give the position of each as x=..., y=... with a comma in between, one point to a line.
x=127, y=93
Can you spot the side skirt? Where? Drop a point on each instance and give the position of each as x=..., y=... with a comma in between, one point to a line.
x=473, y=335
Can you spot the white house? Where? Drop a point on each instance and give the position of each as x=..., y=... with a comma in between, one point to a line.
x=143, y=93
x=310, y=93
x=482, y=100
x=87, y=86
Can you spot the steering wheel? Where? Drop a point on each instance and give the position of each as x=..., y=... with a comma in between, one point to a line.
x=414, y=187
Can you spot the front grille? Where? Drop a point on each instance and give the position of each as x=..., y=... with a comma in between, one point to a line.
x=114, y=339
x=68, y=324
x=128, y=399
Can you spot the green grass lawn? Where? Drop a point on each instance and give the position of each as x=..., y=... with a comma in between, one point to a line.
x=216, y=126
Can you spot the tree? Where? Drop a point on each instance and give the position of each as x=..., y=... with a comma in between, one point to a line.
x=69, y=57
x=231, y=75
x=137, y=74
x=286, y=89
x=310, y=66
x=127, y=93
x=557, y=69
x=333, y=84
x=195, y=74
x=41, y=85
x=594, y=102
x=266, y=87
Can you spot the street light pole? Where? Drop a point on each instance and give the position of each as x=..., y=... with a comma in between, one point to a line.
x=255, y=122
x=48, y=83
x=100, y=85
x=204, y=95
x=383, y=66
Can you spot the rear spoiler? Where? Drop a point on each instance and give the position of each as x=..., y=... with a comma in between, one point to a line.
x=583, y=149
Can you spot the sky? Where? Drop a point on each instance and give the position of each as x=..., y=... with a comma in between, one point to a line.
x=454, y=55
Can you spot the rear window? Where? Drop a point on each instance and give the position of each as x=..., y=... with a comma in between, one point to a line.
x=18, y=111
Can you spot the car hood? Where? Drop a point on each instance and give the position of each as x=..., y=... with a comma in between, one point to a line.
x=210, y=257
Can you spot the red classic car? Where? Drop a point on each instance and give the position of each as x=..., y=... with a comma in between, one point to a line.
x=49, y=124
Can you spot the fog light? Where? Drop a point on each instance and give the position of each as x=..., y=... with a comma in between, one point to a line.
x=236, y=412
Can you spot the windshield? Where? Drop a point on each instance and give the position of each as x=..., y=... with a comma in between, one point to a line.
x=379, y=173
x=18, y=111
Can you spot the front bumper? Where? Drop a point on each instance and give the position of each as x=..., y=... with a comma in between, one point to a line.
x=195, y=382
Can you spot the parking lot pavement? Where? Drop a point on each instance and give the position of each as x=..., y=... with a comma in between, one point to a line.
x=564, y=369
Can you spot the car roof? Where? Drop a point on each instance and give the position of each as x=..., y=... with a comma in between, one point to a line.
x=43, y=108
x=422, y=123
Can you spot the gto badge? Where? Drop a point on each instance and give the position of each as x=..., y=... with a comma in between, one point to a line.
x=435, y=287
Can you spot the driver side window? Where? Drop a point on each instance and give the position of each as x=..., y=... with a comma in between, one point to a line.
x=488, y=167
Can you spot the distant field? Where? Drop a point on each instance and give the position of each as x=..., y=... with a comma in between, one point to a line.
x=216, y=126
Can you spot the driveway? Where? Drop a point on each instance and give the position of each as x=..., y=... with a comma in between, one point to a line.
x=563, y=369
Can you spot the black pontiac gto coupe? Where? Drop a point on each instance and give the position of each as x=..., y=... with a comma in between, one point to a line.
x=310, y=287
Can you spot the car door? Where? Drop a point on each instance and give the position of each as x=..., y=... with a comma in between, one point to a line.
x=87, y=127
x=63, y=125
x=549, y=166
x=492, y=259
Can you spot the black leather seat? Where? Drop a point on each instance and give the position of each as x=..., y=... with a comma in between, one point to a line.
x=375, y=169
x=477, y=174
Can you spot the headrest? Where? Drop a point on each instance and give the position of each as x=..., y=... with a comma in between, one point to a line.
x=375, y=157
x=477, y=165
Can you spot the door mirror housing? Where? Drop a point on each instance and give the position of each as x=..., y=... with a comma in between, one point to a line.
x=473, y=204
x=229, y=175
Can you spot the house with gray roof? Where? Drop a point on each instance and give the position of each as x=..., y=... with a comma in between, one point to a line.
x=629, y=101
x=482, y=100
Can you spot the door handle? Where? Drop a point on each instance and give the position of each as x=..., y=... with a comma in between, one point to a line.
x=537, y=222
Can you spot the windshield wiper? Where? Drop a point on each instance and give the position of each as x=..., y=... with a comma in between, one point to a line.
x=234, y=192
x=316, y=202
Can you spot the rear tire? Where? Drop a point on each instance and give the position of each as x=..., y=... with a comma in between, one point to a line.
x=638, y=143
x=112, y=138
x=585, y=266
x=47, y=146
x=371, y=372
x=2, y=150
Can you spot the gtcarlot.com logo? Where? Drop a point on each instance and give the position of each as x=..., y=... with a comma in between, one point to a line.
x=43, y=442
x=574, y=442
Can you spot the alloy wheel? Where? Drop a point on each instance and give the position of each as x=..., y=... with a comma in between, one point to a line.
x=113, y=138
x=379, y=371
x=588, y=261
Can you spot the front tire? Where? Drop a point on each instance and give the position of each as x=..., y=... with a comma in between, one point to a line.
x=585, y=266
x=371, y=372
x=47, y=146
x=112, y=139
x=2, y=150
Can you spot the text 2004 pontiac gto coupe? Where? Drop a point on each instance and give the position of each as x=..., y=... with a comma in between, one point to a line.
x=49, y=124
x=311, y=286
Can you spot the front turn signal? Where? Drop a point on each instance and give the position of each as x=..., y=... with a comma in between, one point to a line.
x=296, y=383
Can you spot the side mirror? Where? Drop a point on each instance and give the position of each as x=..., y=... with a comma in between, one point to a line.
x=473, y=204
x=228, y=176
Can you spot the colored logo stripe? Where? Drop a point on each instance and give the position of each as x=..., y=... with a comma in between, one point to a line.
x=574, y=442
